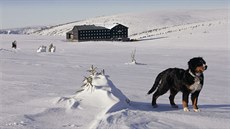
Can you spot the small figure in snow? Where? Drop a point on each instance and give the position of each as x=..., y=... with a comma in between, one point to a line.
x=14, y=44
x=52, y=48
x=41, y=49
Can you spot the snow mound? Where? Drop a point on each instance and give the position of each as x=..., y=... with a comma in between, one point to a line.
x=101, y=94
x=135, y=63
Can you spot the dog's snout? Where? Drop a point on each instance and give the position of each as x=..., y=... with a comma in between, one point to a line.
x=205, y=67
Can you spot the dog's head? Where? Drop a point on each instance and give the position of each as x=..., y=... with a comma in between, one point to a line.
x=197, y=65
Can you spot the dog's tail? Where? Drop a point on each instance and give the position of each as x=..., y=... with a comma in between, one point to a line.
x=156, y=83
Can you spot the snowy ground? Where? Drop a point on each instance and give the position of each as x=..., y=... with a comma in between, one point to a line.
x=32, y=83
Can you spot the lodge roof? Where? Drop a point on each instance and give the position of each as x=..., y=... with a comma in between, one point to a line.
x=89, y=27
x=110, y=26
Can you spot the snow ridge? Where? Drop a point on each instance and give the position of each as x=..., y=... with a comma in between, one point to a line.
x=140, y=22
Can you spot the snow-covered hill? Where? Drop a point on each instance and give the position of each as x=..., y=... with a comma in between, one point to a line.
x=142, y=25
x=25, y=30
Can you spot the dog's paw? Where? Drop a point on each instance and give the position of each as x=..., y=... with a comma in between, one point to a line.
x=186, y=109
x=174, y=106
x=196, y=110
x=155, y=106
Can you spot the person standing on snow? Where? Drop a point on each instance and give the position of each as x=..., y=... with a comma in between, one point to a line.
x=14, y=44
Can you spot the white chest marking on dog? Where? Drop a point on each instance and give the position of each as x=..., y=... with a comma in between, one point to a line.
x=196, y=86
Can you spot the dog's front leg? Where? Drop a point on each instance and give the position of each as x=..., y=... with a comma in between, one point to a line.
x=194, y=98
x=185, y=101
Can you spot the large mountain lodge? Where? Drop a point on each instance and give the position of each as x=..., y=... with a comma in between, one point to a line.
x=116, y=32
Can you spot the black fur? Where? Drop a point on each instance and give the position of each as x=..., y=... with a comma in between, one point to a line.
x=14, y=44
x=176, y=79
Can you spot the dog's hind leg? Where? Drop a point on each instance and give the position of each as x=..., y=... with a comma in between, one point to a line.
x=159, y=92
x=173, y=93
x=154, y=99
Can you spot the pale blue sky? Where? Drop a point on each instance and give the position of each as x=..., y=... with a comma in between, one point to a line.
x=22, y=13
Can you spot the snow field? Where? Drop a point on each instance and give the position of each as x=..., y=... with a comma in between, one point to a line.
x=38, y=90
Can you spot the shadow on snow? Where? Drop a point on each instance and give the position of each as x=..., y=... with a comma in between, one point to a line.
x=143, y=106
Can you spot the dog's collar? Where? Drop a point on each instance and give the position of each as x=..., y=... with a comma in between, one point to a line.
x=190, y=72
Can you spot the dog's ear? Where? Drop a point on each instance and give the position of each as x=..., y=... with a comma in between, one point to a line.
x=191, y=65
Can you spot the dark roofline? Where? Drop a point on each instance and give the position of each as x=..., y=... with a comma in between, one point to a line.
x=120, y=25
x=70, y=32
x=89, y=27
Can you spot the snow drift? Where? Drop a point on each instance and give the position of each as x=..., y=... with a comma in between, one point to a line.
x=99, y=93
x=102, y=94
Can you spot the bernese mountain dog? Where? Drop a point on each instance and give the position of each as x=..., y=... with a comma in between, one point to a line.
x=188, y=81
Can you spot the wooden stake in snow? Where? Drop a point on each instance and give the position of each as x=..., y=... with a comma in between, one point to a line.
x=133, y=56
